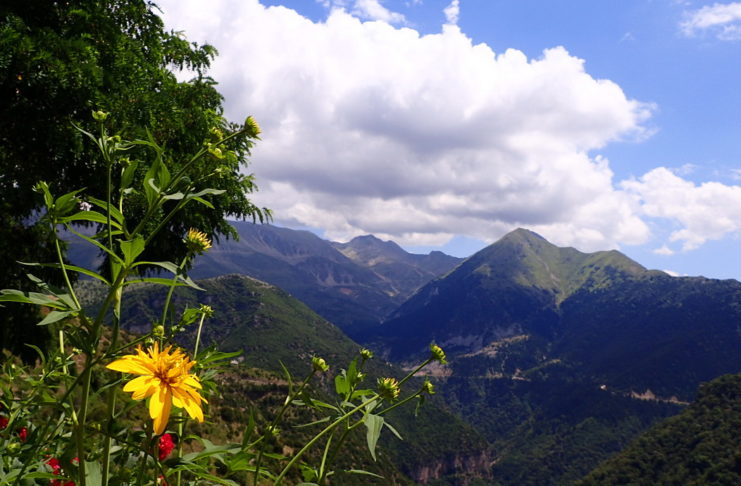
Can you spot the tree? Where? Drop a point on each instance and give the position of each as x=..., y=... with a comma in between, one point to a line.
x=61, y=60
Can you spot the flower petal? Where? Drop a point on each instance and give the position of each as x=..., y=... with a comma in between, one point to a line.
x=142, y=387
x=159, y=409
x=131, y=364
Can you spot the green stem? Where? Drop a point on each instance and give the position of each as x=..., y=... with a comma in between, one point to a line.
x=80, y=426
x=398, y=404
x=407, y=377
x=172, y=290
x=321, y=434
x=198, y=335
x=277, y=418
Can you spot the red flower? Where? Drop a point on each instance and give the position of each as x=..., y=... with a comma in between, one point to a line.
x=3, y=422
x=166, y=445
x=56, y=469
x=23, y=434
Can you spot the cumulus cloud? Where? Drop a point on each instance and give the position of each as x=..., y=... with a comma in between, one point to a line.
x=721, y=19
x=371, y=128
x=373, y=10
x=707, y=211
x=452, y=12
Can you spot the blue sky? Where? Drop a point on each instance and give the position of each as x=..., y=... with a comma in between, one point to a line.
x=444, y=124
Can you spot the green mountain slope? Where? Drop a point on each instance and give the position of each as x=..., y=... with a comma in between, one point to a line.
x=698, y=447
x=561, y=357
x=269, y=326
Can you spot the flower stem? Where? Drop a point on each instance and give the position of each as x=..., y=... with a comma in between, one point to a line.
x=321, y=434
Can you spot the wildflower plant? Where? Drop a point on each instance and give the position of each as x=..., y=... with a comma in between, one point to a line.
x=69, y=419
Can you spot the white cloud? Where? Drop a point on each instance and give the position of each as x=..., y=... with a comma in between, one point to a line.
x=708, y=211
x=373, y=10
x=721, y=19
x=672, y=273
x=664, y=250
x=452, y=12
x=369, y=128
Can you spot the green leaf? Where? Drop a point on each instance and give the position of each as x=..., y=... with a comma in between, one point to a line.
x=74, y=268
x=55, y=316
x=93, y=216
x=341, y=384
x=10, y=295
x=115, y=213
x=176, y=196
x=93, y=475
x=131, y=249
x=127, y=176
x=366, y=473
x=393, y=430
x=98, y=244
x=374, y=423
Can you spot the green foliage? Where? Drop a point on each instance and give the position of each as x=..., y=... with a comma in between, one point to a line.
x=697, y=447
x=60, y=61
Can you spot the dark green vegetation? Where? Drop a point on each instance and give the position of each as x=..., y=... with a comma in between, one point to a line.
x=700, y=446
x=271, y=327
x=59, y=61
x=559, y=357
x=353, y=285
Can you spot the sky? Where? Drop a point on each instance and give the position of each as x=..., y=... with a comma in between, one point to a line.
x=445, y=124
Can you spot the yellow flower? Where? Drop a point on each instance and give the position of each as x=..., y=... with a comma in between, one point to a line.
x=197, y=241
x=166, y=378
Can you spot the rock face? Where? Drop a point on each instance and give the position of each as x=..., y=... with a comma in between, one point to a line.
x=463, y=467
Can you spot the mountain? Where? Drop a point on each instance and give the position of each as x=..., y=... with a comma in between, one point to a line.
x=560, y=357
x=271, y=327
x=700, y=446
x=351, y=292
x=512, y=287
x=405, y=272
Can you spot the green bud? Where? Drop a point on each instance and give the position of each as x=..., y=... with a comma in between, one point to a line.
x=428, y=387
x=100, y=115
x=366, y=353
x=437, y=354
x=389, y=388
x=252, y=126
x=319, y=364
x=207, y=310
x=158, y=331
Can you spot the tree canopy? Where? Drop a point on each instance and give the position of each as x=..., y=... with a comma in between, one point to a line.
x=59, y=61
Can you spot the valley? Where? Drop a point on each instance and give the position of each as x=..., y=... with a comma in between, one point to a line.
x=558, y=359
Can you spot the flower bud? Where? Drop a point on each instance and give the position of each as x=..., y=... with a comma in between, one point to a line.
x=158, y=331
x=366, y=353
x=252, y=125
x=319, y=364
x=389, y=388
x=207, y=310
x=428, y=387
x=197, y=241
x=437, y=354
x=100, y=115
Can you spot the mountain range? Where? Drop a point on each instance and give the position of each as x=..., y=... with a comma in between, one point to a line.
x=354, y=285
x=558, y=358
